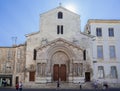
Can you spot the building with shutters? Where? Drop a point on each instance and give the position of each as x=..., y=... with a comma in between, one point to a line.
x=105, y=49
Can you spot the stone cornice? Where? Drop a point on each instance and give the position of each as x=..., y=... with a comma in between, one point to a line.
x=91, y=36
x=103, y=21
x=32, y=34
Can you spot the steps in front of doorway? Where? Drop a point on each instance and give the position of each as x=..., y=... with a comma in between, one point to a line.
x=63, y=85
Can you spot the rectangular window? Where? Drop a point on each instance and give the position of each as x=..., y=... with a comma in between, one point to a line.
x=34, y=54
x=111, y=32
x=59, y=29
x=9, y=54
x=17, y=67
x=100, y=72
x=19, y=53
x=100, y=51
x=84, y=55
x=3, y=67
x=112, y=51
x=113, y=72
x=99, y=32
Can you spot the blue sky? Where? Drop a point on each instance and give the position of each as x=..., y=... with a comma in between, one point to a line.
x=20, y=17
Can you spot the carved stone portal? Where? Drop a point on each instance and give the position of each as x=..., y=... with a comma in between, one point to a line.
x=60, y=58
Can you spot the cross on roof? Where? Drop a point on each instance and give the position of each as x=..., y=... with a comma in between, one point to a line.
x=60, y=4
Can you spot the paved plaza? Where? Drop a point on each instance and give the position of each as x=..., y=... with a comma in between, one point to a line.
x=24, y=89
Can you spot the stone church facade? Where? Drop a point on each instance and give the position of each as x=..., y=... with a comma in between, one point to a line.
x=58, y=51
x=59, y=48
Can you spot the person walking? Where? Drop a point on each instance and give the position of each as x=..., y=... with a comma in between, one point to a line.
x=105, y=85
x=96, y=84
x=17, y=86
x=58, y=84
x=80, y=85
x=20, y=86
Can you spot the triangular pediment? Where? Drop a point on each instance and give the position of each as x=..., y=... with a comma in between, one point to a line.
x=59, y=8
x=59, y=41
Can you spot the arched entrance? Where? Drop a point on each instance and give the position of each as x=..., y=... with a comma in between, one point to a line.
x=60, y=66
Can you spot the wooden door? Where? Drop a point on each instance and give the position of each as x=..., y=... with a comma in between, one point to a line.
x=56, y=72
x=59, y=73
x=87, y=76
x=32, y=76
x=17, y=80
x=63, y=72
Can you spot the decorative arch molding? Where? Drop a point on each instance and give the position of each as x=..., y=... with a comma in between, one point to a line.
x=46, y=51
x=62, y=48
x=64, y=51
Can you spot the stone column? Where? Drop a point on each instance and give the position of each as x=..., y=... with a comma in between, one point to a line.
x=47, y=66
x=43, y=69
x=36, y=69
x=71, y=67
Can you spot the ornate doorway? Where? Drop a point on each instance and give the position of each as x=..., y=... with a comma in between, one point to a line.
x=60, y=66
x=59, y=72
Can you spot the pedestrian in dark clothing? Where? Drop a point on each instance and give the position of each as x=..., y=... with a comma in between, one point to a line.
x=105, y=85
x=80, y=85
x=4, y=82
x=58, y=84
x=17, y=86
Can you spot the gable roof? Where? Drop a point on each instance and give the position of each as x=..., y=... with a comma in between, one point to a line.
x=59, y=7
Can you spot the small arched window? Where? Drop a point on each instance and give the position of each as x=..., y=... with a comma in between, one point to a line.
x=60, y=15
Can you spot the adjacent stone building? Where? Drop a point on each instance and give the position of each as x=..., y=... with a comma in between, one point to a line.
x=12, y=64
x=60, y=51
